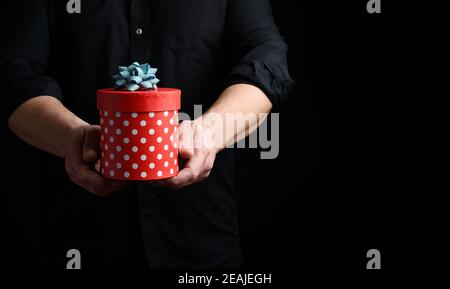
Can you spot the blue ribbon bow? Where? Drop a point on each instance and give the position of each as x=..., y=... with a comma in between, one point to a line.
x=136, y=77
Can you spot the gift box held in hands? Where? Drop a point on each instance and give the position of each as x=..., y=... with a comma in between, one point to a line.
x=138, y=123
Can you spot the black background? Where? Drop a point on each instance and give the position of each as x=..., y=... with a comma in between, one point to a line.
x=339, y=187
x=334, y=192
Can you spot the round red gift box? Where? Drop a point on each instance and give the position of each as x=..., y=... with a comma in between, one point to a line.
x=139, y=133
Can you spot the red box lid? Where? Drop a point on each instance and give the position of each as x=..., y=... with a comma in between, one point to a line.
x=139, y=101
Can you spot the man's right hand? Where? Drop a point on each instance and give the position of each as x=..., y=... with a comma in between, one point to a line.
x=83, y=161
x=47, y=124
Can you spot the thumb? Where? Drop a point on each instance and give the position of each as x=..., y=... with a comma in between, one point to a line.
x=91, y=143
x=186, y=140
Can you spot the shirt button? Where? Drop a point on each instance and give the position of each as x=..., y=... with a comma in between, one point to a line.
x=139, y=31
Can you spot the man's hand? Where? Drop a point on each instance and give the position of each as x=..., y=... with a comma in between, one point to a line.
x=197, y=147
x=200, y=140
x=45, y=123
x=82, y=162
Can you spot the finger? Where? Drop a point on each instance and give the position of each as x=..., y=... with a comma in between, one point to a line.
x=91, y=144
x=82, y=173
x=208, y=162
x=188, y=175
x=184, y=178
x=92, y=181
x=186, y=140
x=97, y=166
x=85, y=176
x=111, y=187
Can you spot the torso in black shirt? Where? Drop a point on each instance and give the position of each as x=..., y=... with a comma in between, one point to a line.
x=198, y=46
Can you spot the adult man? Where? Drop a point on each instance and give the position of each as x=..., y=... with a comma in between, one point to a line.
x=224, y=54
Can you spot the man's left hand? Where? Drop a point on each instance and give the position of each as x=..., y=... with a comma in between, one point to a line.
x=197, y=148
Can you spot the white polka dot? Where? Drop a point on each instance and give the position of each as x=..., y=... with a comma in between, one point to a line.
x=119, y=166
x=159, y=139
x=111, y=156
x=105, y=113
x=118, y=114
x=126, y=174
x=103, y=154
x=166, y=147
x=102, y=137
x=175, y=145
x=134, y=115
x=126, y=140
x=143, y=123
x=175, y=129
x=106, y=130
x=175, y=161
x=159, y=173
x=118, y=131
x=143, y=174
x=166, y=164
x=111, y=122
x=152, y=166
x=171, y=171
x=106, y=164
x=112, y=173
x=171, y=154
x=106, y=147
x=103, y=171
x=166, y=113
x=118, y=148
x=134, y=149
x=111, y=139
x=159, y=122
x=159, y=156
x=101, y=120
x=134, y=132
x=171, y=138
x=171, y=121
x=151, y=148
x=166, y=130
x=143, y=157
x=135, y=166
x=151, y=114
x=143, y=140
x=151, y=131
x=126, y=157
x=126, y=123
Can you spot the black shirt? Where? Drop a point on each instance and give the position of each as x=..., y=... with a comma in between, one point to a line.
x=200, y=47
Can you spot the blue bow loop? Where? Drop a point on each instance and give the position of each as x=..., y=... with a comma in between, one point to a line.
x=136, y=76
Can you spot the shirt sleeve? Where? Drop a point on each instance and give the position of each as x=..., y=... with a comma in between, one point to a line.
x=258, y=51
x=24, y=54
